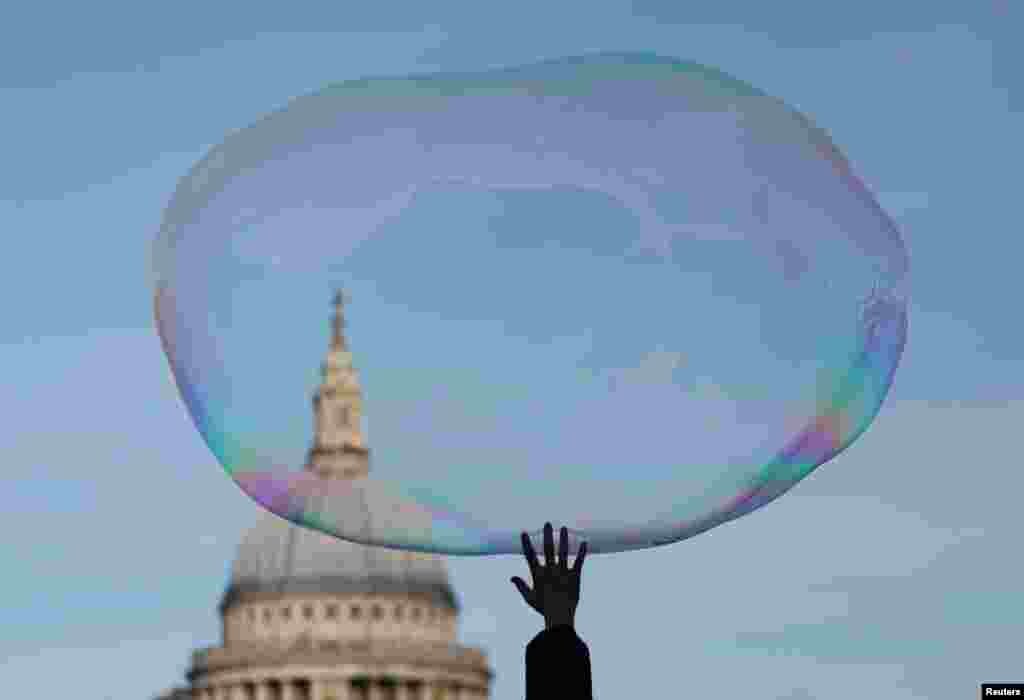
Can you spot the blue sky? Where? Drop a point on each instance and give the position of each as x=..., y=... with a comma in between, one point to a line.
x=886, y=573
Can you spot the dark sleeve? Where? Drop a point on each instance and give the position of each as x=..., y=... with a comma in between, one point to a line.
x=558, y=666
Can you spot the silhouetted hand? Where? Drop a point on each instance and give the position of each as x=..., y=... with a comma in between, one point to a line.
x=556, y=587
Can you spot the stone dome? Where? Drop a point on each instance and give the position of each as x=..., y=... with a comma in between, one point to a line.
x=277, y=557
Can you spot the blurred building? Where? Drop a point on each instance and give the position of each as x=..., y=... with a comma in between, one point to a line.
x=309, y=617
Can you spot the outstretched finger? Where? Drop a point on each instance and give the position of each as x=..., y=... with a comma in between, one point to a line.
x=577, y=566
x=528, y=551
x=563, y=548
x=549, y=546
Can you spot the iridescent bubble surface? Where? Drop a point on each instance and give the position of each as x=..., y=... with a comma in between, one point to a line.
x=626, y=294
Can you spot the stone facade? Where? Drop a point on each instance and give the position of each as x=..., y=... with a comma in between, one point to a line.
x=306, y=617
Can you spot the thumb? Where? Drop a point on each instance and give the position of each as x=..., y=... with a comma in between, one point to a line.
x=523, y=590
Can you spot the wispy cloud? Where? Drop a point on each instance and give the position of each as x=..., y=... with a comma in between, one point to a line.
x=656, y=367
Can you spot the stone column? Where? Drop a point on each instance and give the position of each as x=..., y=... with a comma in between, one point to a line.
x=375, y=693
x=337, y=688
x=287, y=689
x=329, y=689
x=262, y=691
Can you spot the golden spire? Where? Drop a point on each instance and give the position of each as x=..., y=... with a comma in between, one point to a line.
x=338, y=445
x=338, y=322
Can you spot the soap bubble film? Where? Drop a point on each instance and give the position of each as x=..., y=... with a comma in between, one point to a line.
x=625, y=294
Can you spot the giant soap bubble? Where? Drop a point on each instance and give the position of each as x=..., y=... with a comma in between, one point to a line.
x=628, y=295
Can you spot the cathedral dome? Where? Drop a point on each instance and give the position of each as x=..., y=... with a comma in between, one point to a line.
x=277, y=557
x=292, y=614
